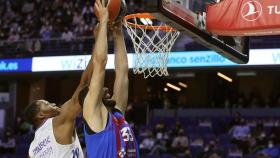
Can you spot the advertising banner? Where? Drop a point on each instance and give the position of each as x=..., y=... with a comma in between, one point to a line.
x=15, y=65
x=188, y=59
x=243, y=17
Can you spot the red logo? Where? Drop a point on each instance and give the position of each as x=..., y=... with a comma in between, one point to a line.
x=251, y=10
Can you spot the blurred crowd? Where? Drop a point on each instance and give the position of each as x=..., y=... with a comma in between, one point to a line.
x=30, y=25
x=243, y=138
x=25, y=19
x=161, y=100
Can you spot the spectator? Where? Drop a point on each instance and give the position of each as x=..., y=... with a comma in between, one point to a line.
x=9, y=142
x=197, y=141
x=56, y=4
x=236, y=119
x=9, y=14
x=37, y=46
x=45, y=20
x=147, y=144
x=205, y=123
x=131, y=6
x=88, y=13
x=14, y=37
x=67, y=35
x=80, y=32
x=28, y=7
x=29, y=21
x=259, y=135
x=241, y=135
x=68, y=15
x=180, y=143
x=275, y=133
x=46, y=31
x=160, y=132
x=77, y=18
x=58, y=24
x=80, y=29
x=211, y=151
x=175, y=131
x=269, y=152
x=161, y=140
x=14, y=27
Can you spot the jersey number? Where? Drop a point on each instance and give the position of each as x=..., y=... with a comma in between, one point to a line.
x=75, y=153
x=127, y=134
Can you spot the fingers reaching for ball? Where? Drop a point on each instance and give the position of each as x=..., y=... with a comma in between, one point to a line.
x=101, y=12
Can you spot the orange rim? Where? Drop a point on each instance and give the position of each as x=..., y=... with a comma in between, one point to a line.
x=147, y=27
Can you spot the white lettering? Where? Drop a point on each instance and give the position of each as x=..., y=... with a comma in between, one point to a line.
x=127, y=134
x=276, y=57
x=41, y=145
x=270, y=8
x=273, y=10
x=276, y=10
x=46, y=153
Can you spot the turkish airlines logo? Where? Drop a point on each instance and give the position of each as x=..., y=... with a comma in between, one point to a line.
x=251, y=10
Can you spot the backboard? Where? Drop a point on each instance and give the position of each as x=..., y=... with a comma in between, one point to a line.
x=188, y=17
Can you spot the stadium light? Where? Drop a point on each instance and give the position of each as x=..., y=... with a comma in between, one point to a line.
x=246, y=73
x=149, y=21
x=183, y=84
x=173, y=87
x=144, y=21
x=224, y=77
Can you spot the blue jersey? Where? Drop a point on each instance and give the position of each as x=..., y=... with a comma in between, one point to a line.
x=117, y=140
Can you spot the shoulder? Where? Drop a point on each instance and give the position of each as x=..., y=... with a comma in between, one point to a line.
x=89, y=131
x=46, y=124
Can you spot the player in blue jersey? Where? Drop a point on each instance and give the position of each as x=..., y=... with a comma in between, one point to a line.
x=107, y=134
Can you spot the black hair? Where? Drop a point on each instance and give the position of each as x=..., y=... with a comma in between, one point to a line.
x=106, y=101
x=31, y=111
x=82, y=95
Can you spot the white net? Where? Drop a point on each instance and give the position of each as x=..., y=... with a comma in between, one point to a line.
x=152, y=45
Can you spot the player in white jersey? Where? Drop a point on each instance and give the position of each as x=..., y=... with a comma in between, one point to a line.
x=55, y=135
x=45, y=145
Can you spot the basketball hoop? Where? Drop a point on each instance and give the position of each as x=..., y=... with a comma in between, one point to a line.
x=152, y=41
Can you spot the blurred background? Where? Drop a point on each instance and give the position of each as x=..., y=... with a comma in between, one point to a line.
x=194, y=112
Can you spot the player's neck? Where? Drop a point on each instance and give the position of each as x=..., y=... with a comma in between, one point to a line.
x=39, y=124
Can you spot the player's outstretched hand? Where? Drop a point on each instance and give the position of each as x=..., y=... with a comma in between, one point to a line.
x=101, y=12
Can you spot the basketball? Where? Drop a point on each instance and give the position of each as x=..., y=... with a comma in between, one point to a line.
x=117, y=9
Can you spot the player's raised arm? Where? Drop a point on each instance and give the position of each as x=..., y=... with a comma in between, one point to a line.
x=64, y=123
x=94, y=113
x=121, y=68
x=72, y=108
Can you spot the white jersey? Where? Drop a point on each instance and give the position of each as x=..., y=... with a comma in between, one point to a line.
x=44, y=144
